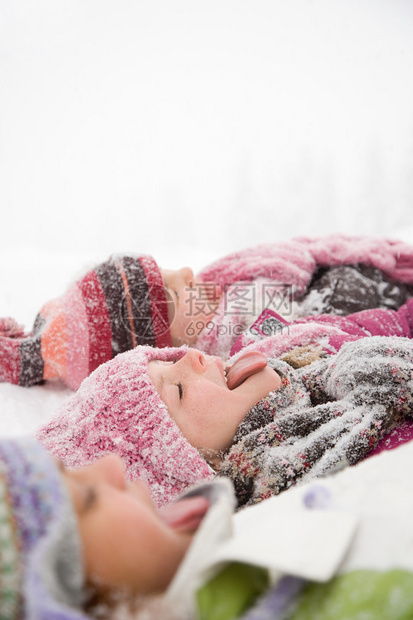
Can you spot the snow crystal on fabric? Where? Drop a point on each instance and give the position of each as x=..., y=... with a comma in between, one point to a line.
x=326, y=414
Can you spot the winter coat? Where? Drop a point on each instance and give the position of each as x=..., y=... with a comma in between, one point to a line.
x=335, y=275
x=331, y=410
x=337, y=547
x=295, y=261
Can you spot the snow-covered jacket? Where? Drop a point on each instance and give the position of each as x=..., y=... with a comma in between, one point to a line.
x=336, y=274
x=332, y=407
x=295, y=261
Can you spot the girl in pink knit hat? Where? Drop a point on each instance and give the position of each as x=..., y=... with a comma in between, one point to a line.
x=289, y=405
x=127, y=301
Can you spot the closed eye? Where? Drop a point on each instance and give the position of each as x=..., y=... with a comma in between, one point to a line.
x=180, y=390
x=90, y=499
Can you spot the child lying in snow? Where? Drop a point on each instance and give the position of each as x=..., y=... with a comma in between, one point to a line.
x=70, y=541
x=120, y=304
x=88, y=544
x=128, y=301
x=292, y=406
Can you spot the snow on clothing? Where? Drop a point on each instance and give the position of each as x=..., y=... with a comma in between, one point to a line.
x=41, y=572
x=337, y=547
x=336, y=274
x=114, y=307
x=326, y=414
x=117, y=409
x=295, y=261
x=308, y=426
x=122, y=302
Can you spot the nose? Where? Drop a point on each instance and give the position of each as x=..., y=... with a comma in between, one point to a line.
x=187, y=275
x=108, y=469
x=196, y=360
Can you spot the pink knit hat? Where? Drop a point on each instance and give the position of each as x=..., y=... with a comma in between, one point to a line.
x=117, y=409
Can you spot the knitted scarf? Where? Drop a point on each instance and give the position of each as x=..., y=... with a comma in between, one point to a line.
x=327, y=414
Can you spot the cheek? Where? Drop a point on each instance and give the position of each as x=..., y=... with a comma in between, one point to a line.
x=258, y=387
x=193, y=316
x=212, y=416
x=185, y=329
x=118, y=542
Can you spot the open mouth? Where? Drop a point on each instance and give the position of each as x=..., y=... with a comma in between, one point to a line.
x=185, y=515
x=243, y=368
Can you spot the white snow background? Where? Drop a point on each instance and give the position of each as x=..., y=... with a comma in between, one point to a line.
x=187, y=129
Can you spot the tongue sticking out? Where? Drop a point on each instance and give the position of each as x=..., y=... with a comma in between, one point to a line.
x=186, y=514
x=247, y=365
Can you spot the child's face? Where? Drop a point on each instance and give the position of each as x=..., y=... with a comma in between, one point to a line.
x=126, y=540
x=192, y=304
x=199, y=401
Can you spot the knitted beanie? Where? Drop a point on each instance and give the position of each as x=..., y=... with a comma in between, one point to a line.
x=41, y=574
x=117, y=409
x=116, y=306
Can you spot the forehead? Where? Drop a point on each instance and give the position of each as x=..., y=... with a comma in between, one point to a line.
x=168, y=273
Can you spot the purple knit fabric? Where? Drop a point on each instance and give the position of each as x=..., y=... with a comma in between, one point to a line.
x=117, y=409
x=36, y=502
x=276, y=604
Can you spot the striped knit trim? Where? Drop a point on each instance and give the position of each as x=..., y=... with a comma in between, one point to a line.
x=31, y=364
x=112, y=285
x=128, y=302
x=53, y=339
x=138, y=300
x=9, y=360
x=135, y=300
x=77, y=338
x=159, y=303
x=100, y=333
x=10, y=573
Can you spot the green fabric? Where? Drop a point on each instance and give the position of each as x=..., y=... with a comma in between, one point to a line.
x=231, y=592
x=360, y=595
